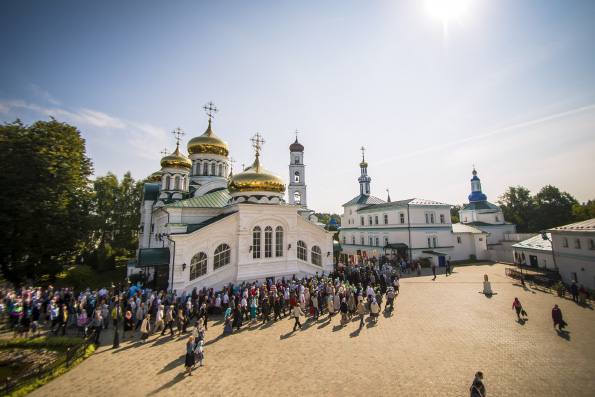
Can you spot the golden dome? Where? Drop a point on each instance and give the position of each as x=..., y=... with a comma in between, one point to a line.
x=256, y=179
x=363, y=164
x=176, y=160
x=208, y=143
x=156, y=176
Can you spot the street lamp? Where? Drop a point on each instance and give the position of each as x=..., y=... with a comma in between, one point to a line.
x=117, y=333
x=546, y=237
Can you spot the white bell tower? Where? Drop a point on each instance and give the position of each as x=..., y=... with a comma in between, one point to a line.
x=296, y=189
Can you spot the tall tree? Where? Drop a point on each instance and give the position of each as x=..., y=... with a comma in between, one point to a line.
x=518, y=207
x=44, y=205
x=553, y=208
x=582, y=212
x=454, y=213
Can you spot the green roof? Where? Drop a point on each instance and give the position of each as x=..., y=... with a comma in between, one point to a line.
x=153, y=257
x=480, y=205
x=151, y=191
x=364, y=199
x=216, y=199
x=197, y=226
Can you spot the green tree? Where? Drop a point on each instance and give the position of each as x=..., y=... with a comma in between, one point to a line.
x=44, y=205
x=582, y=212
x=454, y=213
x=518, y=207
x=553, y=208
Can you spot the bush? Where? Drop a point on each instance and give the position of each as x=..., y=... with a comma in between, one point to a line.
x=559, y=286
x=78, y=276
x=39, y=343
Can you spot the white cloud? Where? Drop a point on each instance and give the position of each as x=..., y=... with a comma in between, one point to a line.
x=38, y=92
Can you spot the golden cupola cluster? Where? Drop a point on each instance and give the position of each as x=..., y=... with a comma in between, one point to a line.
x=156, y=176
x=176, y=160
x=256, y=178
x=208, y=143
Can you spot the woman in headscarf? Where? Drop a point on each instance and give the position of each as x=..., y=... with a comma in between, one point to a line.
x=374, y=310
x=344, y=319
x=329, y=304
x=237, y=317
x=253, y=307
x=189, y=361
x=217, y=305
x=228, y=329
x=128, y=324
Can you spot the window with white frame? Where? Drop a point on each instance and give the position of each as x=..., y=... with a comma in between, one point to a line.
x=222, y=256
x=432, y=217
x=402, y=217
x=256, y=242
x=361, y=239
x=429, y=242
x=279, y=241
x=353, y=240
x=377, y=241
x=385, y=241
x=344, y=240
x=369, y=219
x=302, y=251
x=361, y=218
x=371, y=240
x=441, y=218
x=268, y=242
x=375, y=219
x=427, y=218
x=591, y=244
x=577, y=243
x=386, y=219
x=316, y=256
x=198, y=265
x=434, y=242
x=459, y=240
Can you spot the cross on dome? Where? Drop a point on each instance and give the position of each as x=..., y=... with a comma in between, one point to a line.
x=257, y=143
x=296, y=132
x=211, y=109
x=363, y=149
x=178, y=133
x=164, y=152
x=231, y=161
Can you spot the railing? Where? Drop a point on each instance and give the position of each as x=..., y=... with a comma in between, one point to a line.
x=65, y=359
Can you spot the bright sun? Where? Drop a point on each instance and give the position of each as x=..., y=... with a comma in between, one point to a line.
x=447, y=9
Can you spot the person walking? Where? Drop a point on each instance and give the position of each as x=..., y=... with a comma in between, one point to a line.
x=190, y=360
x=96, y=325
x=228, y=329
x=169, y=321
x=199, y=354
x=574, y=291
x=128, y=324
x=516, y=305
x=297, y=312
x=237, y=317
x=582, y=295
x=478, y=380
x=557, y=317
x=361, y=310
x=315, y=307
x=433, y=270
x=140, y=315
x=374, y=310
x=144, y=328
x=343, y=309
x=447, y=264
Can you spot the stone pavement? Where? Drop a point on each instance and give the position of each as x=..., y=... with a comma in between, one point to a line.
x=441, y=333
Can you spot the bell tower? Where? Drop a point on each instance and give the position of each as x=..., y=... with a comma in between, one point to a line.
x=296, y=189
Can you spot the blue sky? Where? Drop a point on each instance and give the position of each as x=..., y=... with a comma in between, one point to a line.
x=508, y=86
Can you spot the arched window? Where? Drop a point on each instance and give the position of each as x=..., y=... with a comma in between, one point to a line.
x=564, y=242
x=268, y=242
x=361, y=240
x=361, y=219
x=166, y=182
x=316, y=256
x=302, y=250
x=297, y=177
x=375, y=219
x=220, y=169
x=256, y=242
x=385, y=241
x=369, y=219
x=577, y=243
x=198, y=265
x=177, y=182
x=297, y=197
x=592, y=244
x=344, y=240
x=377, y=241
x=213, y=169
x=279, y=241
x=222, y=256
x=205, y=169
x=296, y=160
x=371, y=240
x=432, y=217
x=353, y=240
x=386, y=219
x=402, y=217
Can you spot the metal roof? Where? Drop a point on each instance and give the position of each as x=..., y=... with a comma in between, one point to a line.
x=535, y=243
x=465, y=228
x=584, y=226
x=215, y=199
x=433, y=253
x=364, y=199
x=481, y=205
x=402, y=203
x=151, y=191
x=153, y=257
x=197, y=226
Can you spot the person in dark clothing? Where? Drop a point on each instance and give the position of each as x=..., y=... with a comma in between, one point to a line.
x=96, y=325
x=557, y=317
x=62, y=317
x=237, y=317
x=574, y=291
x=266, y=308
x=277, y=308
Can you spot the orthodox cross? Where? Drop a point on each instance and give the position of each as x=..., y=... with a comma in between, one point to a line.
x=178, y=133
x=164, y=152
x=296, y=132
x=363, y=149
x=211, y=109
x=257, y=143
x=243, y=169
x=231, y=161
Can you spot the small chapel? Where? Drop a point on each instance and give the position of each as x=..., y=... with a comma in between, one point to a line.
x=204, y=226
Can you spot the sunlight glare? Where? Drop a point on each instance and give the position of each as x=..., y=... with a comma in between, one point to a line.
x=447, y=9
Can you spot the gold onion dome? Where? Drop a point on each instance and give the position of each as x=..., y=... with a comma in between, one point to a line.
x=176, y=160
x=363, y=164
x=256, y=179
x=156, y=176
x=208, y=143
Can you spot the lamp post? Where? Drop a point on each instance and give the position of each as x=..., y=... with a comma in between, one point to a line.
x=546, y=237
x=117, y=333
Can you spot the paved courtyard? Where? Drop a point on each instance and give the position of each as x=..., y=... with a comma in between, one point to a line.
x=441, y=333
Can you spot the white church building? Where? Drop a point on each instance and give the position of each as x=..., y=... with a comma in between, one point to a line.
x=203, y=226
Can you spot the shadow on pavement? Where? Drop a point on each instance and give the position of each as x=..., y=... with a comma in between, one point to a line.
x=169, y=384
x=178, y=362
x=564, y=335
x=287, y=335
x=355, y=333
x=521, y=321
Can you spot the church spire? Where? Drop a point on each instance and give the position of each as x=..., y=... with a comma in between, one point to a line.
x=364, y=179
x=476, y=193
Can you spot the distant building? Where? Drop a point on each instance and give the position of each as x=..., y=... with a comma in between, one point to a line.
x=574, y=251
x=485, y=216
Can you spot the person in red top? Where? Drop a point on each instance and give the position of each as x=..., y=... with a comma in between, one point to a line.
x=557, y=317
x=516, y=305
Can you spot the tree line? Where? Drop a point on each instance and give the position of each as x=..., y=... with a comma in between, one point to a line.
x=548, y=208
x=51, y=213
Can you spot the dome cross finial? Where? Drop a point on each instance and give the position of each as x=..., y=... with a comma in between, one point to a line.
x=296, y=132
x=257, y=143
x=211, y=109
x=363, y=149
x=178, y=134
x=164, y=152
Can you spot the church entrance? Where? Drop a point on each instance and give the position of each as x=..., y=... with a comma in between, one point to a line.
x=533, y=261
